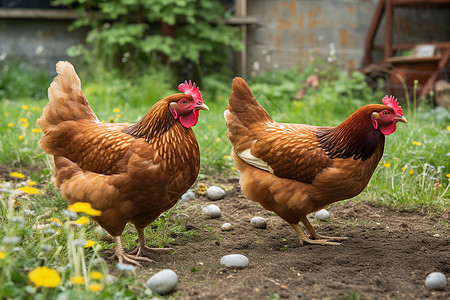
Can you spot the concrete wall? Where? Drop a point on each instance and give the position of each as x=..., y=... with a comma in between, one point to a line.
x=42, y=42
x=290, y=33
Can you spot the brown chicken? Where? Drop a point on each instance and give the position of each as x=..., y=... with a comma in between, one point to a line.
x=297, y=169
x=130, y=172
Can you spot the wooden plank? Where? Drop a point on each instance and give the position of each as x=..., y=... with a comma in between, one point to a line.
x=368, y=44
x=442, y=64
x=420, y=2
x=244, y=20
x=22, y=13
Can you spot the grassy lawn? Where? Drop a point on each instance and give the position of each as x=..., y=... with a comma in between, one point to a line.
x=38, y=231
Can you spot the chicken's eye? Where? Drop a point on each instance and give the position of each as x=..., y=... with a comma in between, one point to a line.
x=183, y=102
x=385, y=113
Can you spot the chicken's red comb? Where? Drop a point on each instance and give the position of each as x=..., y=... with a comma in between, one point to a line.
x=190, y=89
x=392, y=102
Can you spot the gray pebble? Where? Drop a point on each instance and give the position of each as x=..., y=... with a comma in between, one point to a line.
x=188, y=196
x=227, y=227
x=212, y=211
x=436, y=281
x=7, y=185
x=163, y=282
x=234, y=260
x=322, y=214
x=215, y=193
x=258, y=222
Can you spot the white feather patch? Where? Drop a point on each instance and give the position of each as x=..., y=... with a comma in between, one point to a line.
x=226, y=113
x=254, y=161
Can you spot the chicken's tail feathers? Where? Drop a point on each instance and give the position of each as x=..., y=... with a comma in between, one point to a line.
x=243, y=105
x=66, y=99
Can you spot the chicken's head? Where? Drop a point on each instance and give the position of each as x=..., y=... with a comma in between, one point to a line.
x=388, y=117
x=186, y=106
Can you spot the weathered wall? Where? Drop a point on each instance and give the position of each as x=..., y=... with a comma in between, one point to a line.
x=43, y=42
x=290, y=33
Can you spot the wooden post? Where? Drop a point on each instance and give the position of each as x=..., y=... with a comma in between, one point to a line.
x=389, y=29
x=241, y=56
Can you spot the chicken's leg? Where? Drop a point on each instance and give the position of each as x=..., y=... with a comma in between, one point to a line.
x=304, y=238
x=141, y=247
x=123, y=256
x=315, y=236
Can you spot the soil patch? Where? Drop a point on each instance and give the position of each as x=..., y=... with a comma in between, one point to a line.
x=388, y=255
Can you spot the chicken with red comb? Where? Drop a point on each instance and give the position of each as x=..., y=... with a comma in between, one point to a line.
x=297, y=169
x=131, y=173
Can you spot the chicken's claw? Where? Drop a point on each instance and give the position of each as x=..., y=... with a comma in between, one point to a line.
x=122, y=256
x=140, y=249
x=305, y=239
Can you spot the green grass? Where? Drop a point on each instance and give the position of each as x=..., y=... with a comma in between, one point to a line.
x=413, y=173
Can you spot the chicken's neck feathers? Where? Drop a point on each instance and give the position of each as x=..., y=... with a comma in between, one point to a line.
x=157, y=121
x=355, y=137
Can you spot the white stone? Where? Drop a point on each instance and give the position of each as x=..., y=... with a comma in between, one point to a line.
x=6, y=185
x=322, y=214
x=227, y=226
x=163, y=282
x=234, y=261
x=215, y=193
x=212, y=211
x=188, y=196
x=258, y=222
x=436, y=281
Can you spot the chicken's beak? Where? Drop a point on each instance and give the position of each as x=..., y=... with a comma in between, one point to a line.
x=401, y=119
x=202, y=106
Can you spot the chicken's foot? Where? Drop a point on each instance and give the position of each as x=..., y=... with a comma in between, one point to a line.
x=122, y=256
x=141, y=247
x=315, y=236
x=306, y=239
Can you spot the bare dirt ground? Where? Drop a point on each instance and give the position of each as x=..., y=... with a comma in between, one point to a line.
x=388, y=256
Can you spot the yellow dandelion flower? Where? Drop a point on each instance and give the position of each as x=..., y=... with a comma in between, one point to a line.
x=29, y=190
x=387, y=165
x=116, y=110
x=77, y=279
x=2, y=255
x=119, y=116
x=24, y=107
x=96, y=287
x=89, y=243
x=448, y=127
x=10, y=124
x=85, y=208
x=31, y=182
x=417, y=143
x=209, y=127
x=218, y=139
x=55, y=220
x=81, y=221
x=403, y=168
x=96, y=275
x=16, y=175
x=20, y=137
x=411, y=172
x=35, y=108
x=35, y=130
x=23, y=120
x=227, y=157
x=448, y=175
x=45, y=277
x=26, y=125
x=103, y=121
